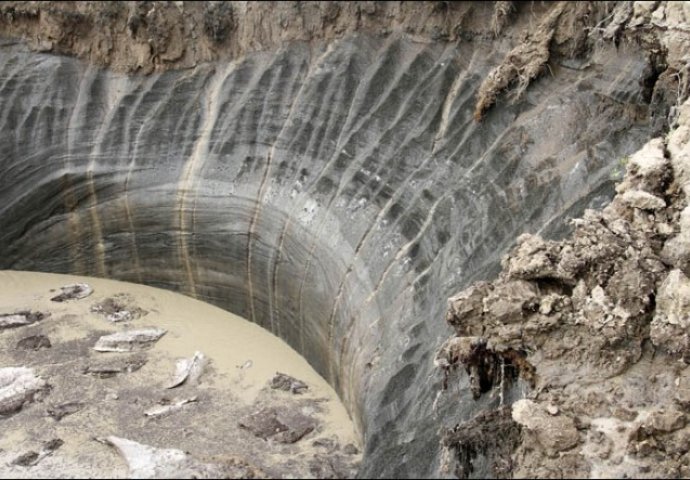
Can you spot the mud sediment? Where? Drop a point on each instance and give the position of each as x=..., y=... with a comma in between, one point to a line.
x=69, y=410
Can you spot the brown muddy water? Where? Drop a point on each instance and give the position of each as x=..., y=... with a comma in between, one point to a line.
x=225, y=413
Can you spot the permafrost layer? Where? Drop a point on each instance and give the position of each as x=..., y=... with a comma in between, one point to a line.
x=334, y=194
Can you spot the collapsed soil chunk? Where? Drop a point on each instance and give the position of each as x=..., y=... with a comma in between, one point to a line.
x=145, y=461
x=58, y=412
x=31, y=458
x=598, y=323
x=282, y=425
x=281, y=381
x=493, y=434
x=34, y=342
x=118, y=308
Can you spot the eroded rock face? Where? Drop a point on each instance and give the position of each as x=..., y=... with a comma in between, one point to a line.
x=333, y=193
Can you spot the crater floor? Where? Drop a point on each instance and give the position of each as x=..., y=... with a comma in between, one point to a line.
x=230, y=420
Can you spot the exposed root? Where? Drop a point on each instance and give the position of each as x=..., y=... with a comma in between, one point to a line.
x=485, y=367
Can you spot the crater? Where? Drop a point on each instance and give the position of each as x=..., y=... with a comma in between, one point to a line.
x=335, y=194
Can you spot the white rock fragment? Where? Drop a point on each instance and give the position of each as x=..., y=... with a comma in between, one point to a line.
x=188, y=369
x=167, y=409
x=130, y=340
x=75, y=291
x=18, y=385
x=642, y=200
x=19, y=319
x=145, y=461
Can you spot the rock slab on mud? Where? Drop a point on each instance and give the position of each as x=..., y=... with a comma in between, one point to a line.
x=129, y=341
x=18, y=386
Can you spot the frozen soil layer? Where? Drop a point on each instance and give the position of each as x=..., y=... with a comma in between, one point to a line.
x=584, y=344
x=80, y=404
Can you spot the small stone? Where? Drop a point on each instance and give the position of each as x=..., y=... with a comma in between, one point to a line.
x=166, y=408
x=330, y=444
x=119, y=308
x=245, y=365
x=26, y=459
x=552, y=409
x=121, y=316
x=111, y=367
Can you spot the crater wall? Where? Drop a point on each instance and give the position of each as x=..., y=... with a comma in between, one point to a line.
x=334, y=193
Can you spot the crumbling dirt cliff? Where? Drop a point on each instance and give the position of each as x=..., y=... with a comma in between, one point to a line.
x=585, y=341
x=591, y=334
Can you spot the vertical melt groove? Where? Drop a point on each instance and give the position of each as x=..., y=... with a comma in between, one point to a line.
x=132, y=153
x=341, y=289
x=262, y=189
x=351, y=127
x=192, y=166
x=69, y=197
x=93, y=197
